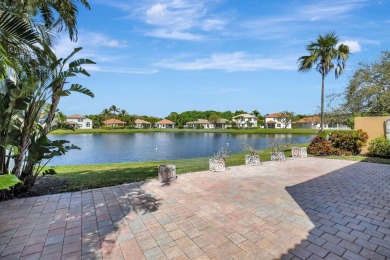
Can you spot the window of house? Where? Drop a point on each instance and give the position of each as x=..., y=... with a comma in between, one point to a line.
x=279, y=125
x=80, y=125
x=88, y=124
x=80, y=120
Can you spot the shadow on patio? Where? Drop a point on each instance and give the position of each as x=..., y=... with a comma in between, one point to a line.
x=350, y=209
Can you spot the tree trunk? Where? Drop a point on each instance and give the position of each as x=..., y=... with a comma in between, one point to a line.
x=55, y=100
x=322, y=101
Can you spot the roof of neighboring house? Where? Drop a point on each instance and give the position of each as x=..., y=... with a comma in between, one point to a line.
x=311, y=119
x=222, y=121
x=75, y=116
x=72, y=123
x=165, y=121
x=113, y=121
x=199, y=121
x=271, y=122
x=244, y=116
x=140, y=121
x=273, y=115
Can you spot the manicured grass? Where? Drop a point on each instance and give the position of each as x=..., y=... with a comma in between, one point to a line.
x=174, y=130
x=80, y=177
x=360, y=158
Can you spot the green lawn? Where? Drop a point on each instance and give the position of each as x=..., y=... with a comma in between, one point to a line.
x=174, y=130
x=80, y=177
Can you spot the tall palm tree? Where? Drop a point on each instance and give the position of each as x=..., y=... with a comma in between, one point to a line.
x=122, y=114
x=105, y=113
x=114, y=109
x=322, y=55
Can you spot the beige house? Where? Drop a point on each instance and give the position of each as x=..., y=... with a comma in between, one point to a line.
x=139, y=123
x=165, y=123
x=200, y=123
x=245, y=121
x=114, y=122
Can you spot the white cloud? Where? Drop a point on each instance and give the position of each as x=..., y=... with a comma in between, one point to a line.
x=236, y=61
x=354, y=46
x=176, y=35
x=120, y=70
x=178, y=19
x=101, y=40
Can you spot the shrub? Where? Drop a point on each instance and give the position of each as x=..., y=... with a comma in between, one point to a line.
x=319, y=146
x=349, y=141
x=379, y=147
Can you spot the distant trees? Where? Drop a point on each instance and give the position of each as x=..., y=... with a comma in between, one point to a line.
x=368, y=91
x=322, y=55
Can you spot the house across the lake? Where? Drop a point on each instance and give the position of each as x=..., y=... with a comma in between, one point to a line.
x=165, y=123
x=199, y=123
x=245, y=120
x=274, y=120
x=79, y=121
x=206, y=124
x=114, y=122
x=139, y=123
x=314, y=122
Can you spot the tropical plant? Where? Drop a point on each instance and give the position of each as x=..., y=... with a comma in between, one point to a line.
x=32, y=77
x=349, y=141
x=379, y=147
x=322, y=55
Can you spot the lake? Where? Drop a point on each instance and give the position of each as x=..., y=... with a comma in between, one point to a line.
x=140, y=147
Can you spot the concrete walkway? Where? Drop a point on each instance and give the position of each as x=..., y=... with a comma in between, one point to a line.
x=307, y=208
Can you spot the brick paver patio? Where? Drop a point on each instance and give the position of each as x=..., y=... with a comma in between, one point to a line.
x=298, y=209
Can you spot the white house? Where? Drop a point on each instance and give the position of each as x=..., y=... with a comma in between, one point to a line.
x=165, y=123
x=313, y=122
x=245, y=120
x=274, y=120
x=79, y=121
x=139, y=123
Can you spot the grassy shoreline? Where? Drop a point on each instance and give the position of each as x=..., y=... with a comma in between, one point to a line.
x=81, y=177
x=176, y=130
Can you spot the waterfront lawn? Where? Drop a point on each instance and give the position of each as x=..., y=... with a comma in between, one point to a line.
x=153, y=130
x=81, y=177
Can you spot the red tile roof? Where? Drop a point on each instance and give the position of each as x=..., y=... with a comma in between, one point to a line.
x=140, y=121
x=76, y=116
x=311, y=119
x=164, y=121
x=113, y=121
x=273, y=115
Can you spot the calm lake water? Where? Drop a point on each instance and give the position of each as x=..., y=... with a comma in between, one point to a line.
x=139, y=147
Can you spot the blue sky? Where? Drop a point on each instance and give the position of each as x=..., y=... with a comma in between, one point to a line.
x=158, y=56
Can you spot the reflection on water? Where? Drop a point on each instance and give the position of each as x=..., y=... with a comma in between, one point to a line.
x=138, y=147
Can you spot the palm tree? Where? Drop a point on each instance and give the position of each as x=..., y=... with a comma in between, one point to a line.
x=122, y=114
x=105, y=113
x=114, y=109
x=322, y=54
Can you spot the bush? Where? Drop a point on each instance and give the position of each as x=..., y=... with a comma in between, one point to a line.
x=319, y=146
x=379, y=147
x=349, y=141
